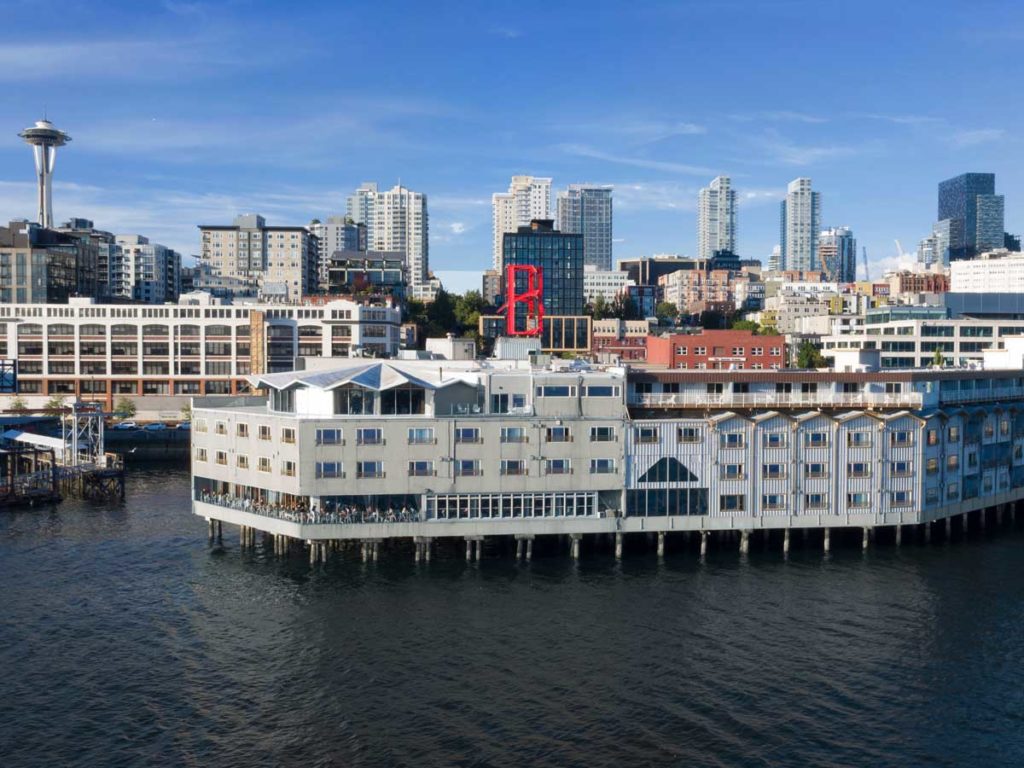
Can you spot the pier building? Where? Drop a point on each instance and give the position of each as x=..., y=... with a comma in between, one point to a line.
x=371, y=451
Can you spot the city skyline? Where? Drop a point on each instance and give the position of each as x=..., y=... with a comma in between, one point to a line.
x=180, y=145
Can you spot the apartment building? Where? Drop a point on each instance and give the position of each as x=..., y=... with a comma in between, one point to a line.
x=717, y=350
x=624, y=339
x=606, y=283
x=528, y=198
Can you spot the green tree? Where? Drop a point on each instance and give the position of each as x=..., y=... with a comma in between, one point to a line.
x=809, y=356
x=415, y=312
x=125, y=408
x=441, y=315
x=624, y=307
x=18, y=405
x=938, y=359
x=745, y=325
x=468, y=309
x=666, y=312
x=599, y=308
x=768, y=330
x=55, y=404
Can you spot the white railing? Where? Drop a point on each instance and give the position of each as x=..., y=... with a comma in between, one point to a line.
x=778, y=400
x=981, y=395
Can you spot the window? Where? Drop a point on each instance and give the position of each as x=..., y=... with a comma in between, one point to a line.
x=902, y=437
x=402, y=401
x=816, y=469
x=816, y=439
x=858, y=439
x=288, y=468
x=369, y=469
x=467, y=468
x=264, y=464
x=329, y=469
x=513, y=467
x=732, y=440
x=953, y=435
x=222, y=458
x=421, y=468
x=952, y=491
x=773, y=471
x=501, y=403
x=369, y=436
x=288, y=435
x=354, y=402
x=902, y=468
x=858, y=499
x=282, y=400
x=557, y=467
x=700, y=350
x=601, y=391
x=858, y=469
x=1004, y=428
x=220, y=428
x=328, y=437
x=773, y=440
x=816, y=500
x=242, y=461
x=900, y=498
x=732, y=472
x=200, y=454
x=732, y=502
x=559, y=435
x=773, y=501
x=602, y=466
x=264, y=432
x=688, y=434
x=200, y=425
x=241, y=429
x=421, y=436
x=467, y=435
x=932, y=466
x=514, y=435
x=933, y=437
x=556, y=390
x=715, y=389
x=602, y=434
x=646, y=434
x=953, y=463
x=931, y=496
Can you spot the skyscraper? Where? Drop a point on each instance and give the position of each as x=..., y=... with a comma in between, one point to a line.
x=975, y=212
x=586, y=209
x=716, y=218
x=837, y=252
x=360, y=204
x=396, y=221
x=559, y=255
x=528, y=198
x=800, y=223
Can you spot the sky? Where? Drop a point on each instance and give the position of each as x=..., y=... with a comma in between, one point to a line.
x=186, y=113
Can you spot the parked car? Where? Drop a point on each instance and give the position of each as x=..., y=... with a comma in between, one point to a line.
x=186, y=425
x=155, y=427
x=125, y=425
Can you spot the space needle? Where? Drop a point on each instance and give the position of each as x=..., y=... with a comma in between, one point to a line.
x=44, y=140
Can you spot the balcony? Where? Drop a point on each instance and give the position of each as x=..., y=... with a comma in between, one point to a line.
x=776, y=400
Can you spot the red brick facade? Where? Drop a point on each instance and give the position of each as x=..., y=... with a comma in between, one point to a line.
x=717, y=350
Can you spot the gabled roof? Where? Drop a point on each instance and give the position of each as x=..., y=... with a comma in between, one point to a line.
x=374, y=376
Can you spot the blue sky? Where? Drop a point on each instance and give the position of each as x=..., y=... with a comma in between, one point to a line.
x=190, y=112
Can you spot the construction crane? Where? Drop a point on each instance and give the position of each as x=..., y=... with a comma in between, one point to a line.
x=899, y=251
x=867, y=273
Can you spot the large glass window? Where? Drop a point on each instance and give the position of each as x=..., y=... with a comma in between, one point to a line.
x=402, y=401
x=353, y=401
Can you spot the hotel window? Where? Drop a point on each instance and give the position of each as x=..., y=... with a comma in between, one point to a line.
x=952, y=462
x=773, y=501
x=903, y=437
x=421, y=468
x=200, y=454
x=901, y=468
x=421, y=436
x=514, y=435
x=602, y=434
x=858, y=499
x=1004, y=428
x=602, y=391
x=953, y=434
x=556, y=390
x=773, y=440
x=816, y=469
x=287, y=435
x=858, y=439
x=288, y=468
x=732, y=472
x=858, y=469
x=241, y=430
x=220, y=428
x=700, y=350
x=602, y=466
x=368, y=436
x=513, y=467
x=329, y=437
x=932, y=466
x=264, y=432
x=264, y=464
x=773, y=471
x=329, y=469
x=646, y=434
x=732, y=440
x=952, y=490
x=200, y=425
x=933, y=437
x=242, y=461
x=467, y=468
x=816, y=439
x=732, y=502
x=900, y=498
x=467, y=435
x=369, y=469
x=688, y=434
x=557, y=467
x=816, y=500
x=559, y=435
x=222, y=458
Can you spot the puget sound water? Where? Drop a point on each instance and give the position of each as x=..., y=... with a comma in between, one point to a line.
x=124, y=641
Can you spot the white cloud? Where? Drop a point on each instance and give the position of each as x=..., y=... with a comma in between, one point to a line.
x=457, y=227
x=582, y=150
x=973, y=137
x=656, y=195
x=779, y=116
x=780, y=150
x=749, y=198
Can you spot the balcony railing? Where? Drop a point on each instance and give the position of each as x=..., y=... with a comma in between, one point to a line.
x=778, y=400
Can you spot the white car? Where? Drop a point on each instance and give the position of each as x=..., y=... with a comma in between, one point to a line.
x=126, y=425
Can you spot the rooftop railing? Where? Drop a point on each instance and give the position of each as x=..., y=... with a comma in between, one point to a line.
x=778, y=400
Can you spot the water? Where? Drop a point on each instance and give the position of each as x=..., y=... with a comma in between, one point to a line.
x=125, y=642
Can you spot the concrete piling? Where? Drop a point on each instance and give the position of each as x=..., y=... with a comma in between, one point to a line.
x=744, y=542
x=529, y=549
x=899, y=535
x=785, y=542
x=661, y=544
x=949, y=527
x=618, y=545
x=703, y=544
x=865, y=539
x=574, y=545
x=827, y=543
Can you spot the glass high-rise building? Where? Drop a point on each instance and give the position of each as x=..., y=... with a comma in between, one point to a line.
x=837, y=250
x=560, y=256
x=969, y=201
x=716, y=218
x=799, y=226
x=586, y=209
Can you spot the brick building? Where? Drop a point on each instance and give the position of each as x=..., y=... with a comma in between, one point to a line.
x=717, y=350
x=625, y=338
